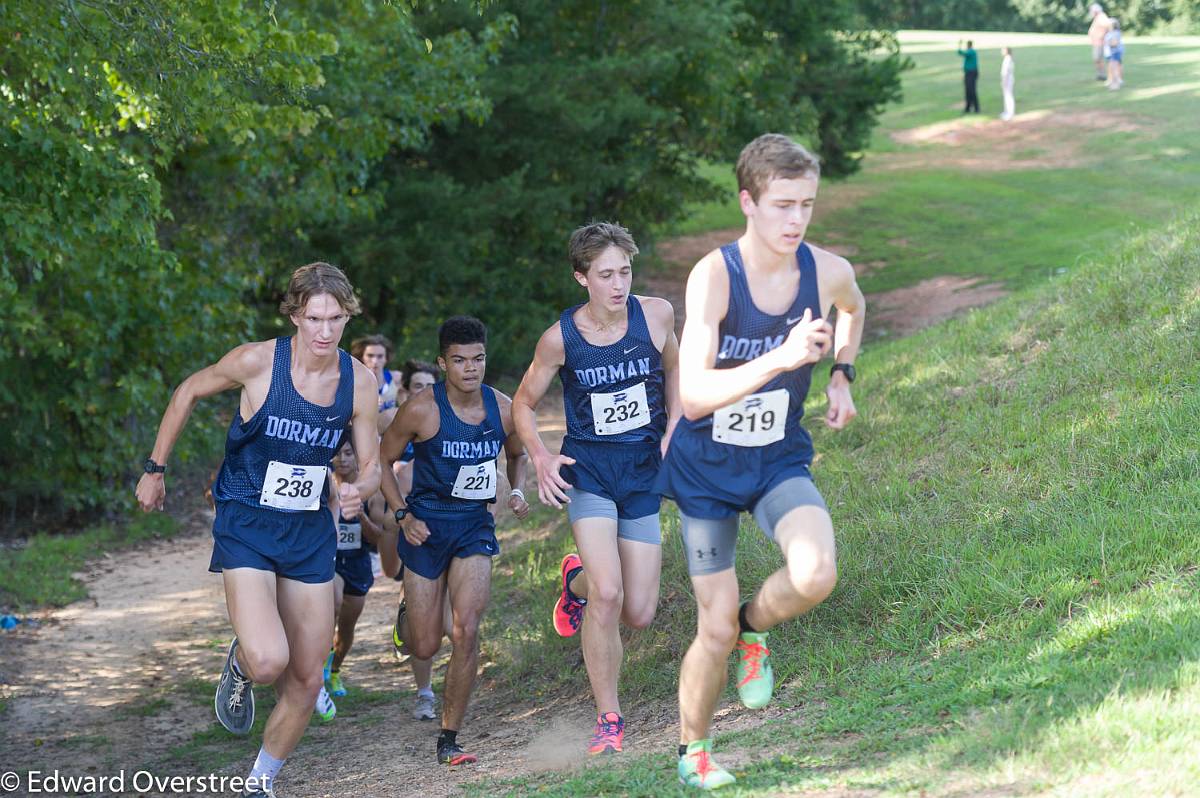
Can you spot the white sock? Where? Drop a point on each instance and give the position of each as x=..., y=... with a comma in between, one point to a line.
x=266, y=768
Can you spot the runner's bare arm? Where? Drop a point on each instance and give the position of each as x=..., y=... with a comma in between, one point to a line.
x=548, y=358
x=366, y=438
x=664, y=314
x=516, y=461
x=414, y=416
x=238, y=368
x=703, y=388
x=837, y=275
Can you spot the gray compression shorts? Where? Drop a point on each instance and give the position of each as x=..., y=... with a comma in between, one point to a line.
x=589, y=505
x=711, y=544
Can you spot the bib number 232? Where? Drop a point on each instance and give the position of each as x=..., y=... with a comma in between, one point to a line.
x=293, y=487
x=476, y=481
x=614, y=413
x=757, y=420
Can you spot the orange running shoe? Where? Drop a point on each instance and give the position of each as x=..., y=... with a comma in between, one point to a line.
x=568, y=610
x=606, y=739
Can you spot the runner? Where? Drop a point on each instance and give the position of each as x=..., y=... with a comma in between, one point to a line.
x=375, y=351
x=417, y=377
x=357, y=535
x=617, y=357
x=273, y=535
x=448, y=540
x=755, y=325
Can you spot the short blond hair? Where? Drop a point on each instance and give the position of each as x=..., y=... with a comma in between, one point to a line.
x=772, y=156
x=313, y=280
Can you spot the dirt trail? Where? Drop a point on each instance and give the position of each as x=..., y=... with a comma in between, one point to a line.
x=122, y=678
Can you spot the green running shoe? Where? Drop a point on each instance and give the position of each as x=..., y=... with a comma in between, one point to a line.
x=697, y=769
x=755, y=678
x=336, y=688
x=328, y=669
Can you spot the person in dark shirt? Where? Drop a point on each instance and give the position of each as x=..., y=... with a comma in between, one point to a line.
x=970, y=75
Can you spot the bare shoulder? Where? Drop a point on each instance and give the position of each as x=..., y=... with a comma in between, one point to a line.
x=503, y=400
x=832, y=269
x=364, y=378
x=249, y=360
x=658, y=310
x=550, y=346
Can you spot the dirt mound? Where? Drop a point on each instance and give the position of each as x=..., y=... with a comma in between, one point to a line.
x=1041, y=139
x=903, y=311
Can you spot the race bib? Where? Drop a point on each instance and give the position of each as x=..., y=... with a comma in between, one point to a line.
x=349, y=537
x=476, y=481
x=757, y=420
x=293, y=487
x=614, y=413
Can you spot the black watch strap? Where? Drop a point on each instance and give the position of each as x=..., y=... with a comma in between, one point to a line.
x=400, y=514
x=151, y=467
x=845, y=368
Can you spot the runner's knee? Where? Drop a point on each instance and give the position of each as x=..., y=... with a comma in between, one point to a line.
x=718, y=635
x=604, y=599
x=465, y=632
x=638, y=616
x=265, y=665
x=812, y=577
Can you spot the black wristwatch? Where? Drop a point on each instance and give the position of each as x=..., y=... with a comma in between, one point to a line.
x=400, y=514
x=845, y=368
x=151, y=467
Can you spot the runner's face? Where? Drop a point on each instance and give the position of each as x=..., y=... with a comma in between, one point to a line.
x=781, y=216
x=320, y=324
x=464, y=365
x=608, y=279
x=375, y=357
x=420, y=381
x=344, y=462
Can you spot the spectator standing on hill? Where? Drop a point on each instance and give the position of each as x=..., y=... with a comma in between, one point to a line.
x=970, y=75
x=1114, y=51
x=1097, y=32
x=1006, y=85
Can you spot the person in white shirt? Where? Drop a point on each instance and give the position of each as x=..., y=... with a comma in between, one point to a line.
x=1006, y=84
x=1096, y=33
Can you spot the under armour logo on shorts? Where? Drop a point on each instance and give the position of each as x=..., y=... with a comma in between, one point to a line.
x=701, y=554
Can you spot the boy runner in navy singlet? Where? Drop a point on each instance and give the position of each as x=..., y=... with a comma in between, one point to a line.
x=448, y=537
x=273, y=538
x=755, y=326
x=617, y=357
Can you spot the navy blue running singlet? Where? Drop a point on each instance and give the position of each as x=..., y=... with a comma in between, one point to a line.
x=747, y=333
x=279, y=458
x=454, y=472
x=613, y=393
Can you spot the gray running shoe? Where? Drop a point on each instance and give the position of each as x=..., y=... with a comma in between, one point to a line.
x=234, y=700
x=267, y=793
x=423, y=709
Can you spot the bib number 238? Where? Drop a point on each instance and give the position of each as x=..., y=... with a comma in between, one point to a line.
x=476, y=481
x=614, y=413
x=757, y=420
x=293, y=487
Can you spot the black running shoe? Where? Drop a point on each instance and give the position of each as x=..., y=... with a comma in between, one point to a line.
x=452, y=754
x=234, y=701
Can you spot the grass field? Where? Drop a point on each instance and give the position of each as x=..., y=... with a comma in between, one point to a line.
x=1016, y=611
x=1089, y=167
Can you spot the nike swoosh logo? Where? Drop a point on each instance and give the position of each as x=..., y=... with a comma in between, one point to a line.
x=793, y=321
x=634, y=349
x=333, y=418
x=487, y=431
